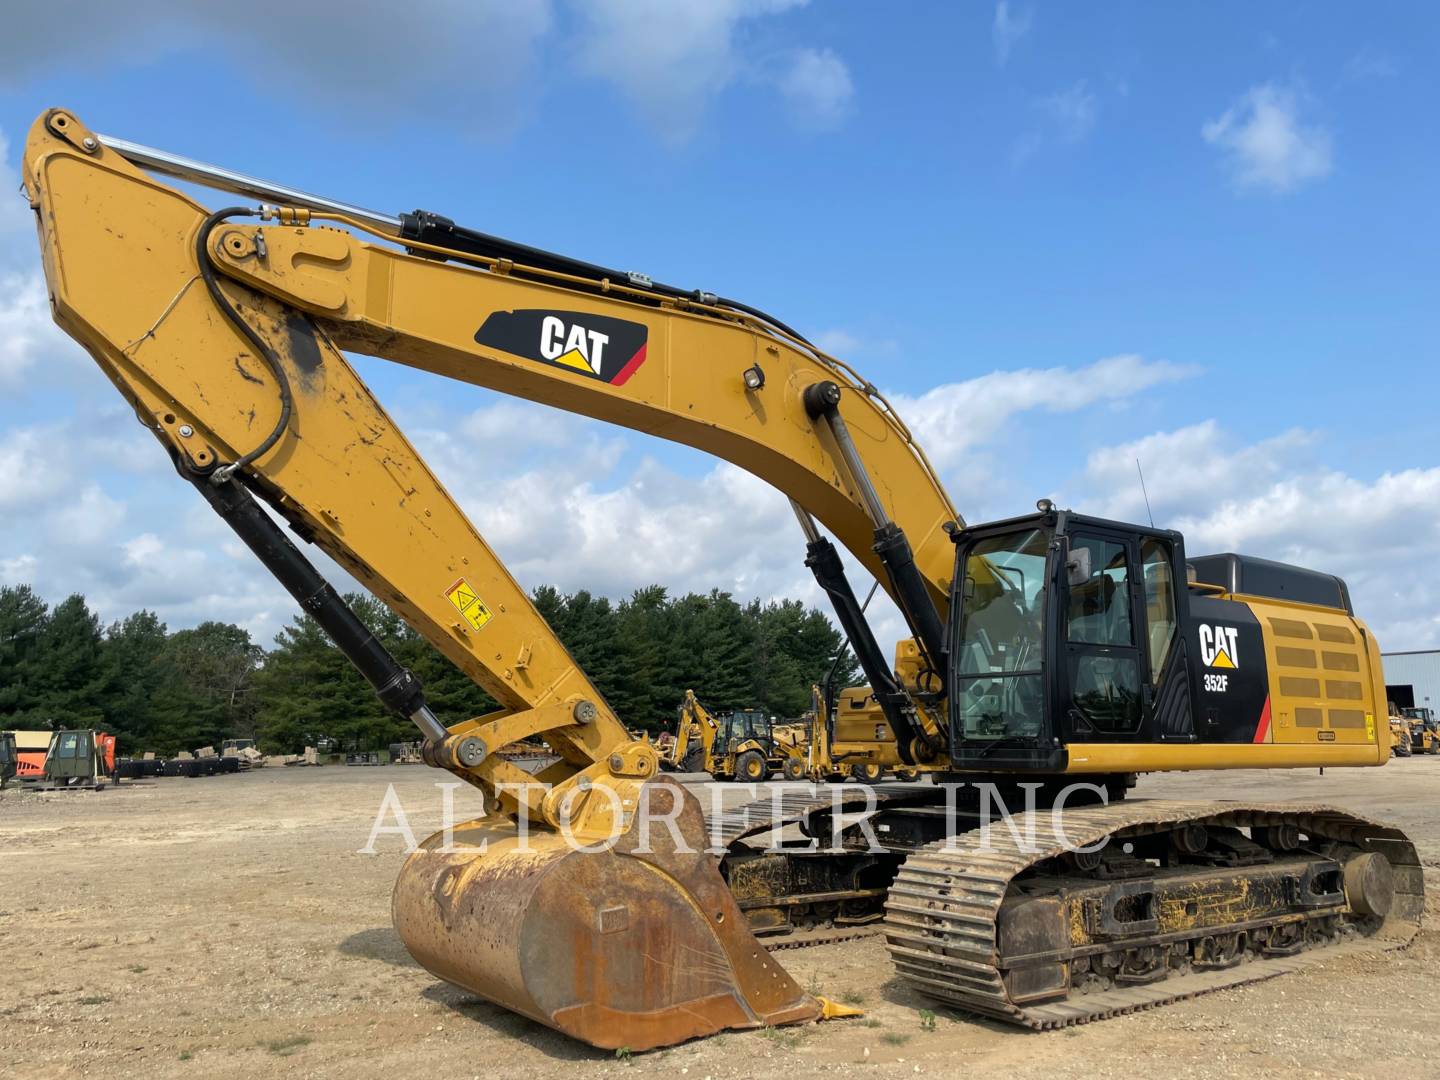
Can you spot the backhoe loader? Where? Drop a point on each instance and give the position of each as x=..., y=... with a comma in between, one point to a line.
x=741, y=744
x=1045, y=651
x=850, y=740
x=1401, y=738
x=1424, y=729
x=695, y=731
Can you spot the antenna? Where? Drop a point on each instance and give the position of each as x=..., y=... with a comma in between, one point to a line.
x=1144, y=492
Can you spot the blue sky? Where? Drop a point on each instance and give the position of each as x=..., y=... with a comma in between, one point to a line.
x=1063, y=236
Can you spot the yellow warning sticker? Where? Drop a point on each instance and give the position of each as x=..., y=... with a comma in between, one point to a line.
x=467, y=601
x=1369, y=727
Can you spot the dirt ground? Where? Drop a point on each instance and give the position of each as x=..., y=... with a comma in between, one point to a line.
x=230, y=925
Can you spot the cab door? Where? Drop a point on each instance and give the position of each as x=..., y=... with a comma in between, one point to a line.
x=1106, y=690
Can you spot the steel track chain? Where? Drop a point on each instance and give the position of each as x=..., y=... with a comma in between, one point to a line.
x=943, y=908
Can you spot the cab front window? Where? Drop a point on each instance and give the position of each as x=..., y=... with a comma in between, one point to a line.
x=998, y=643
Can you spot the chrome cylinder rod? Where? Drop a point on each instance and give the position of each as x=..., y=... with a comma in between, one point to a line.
x=807, y=523
x=212, y=176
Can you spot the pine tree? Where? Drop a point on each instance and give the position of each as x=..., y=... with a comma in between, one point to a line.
x=216, y=664
x=309, y=691
x=135, y=675
x=168, y=692
x=648, y=625
x=719, y=640
x=70, y=679
x=794, y=648
x=23, y=619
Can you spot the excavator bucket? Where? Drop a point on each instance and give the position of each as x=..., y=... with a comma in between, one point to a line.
x=638, y=946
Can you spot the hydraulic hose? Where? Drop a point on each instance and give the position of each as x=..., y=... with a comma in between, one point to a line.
x=206, y=263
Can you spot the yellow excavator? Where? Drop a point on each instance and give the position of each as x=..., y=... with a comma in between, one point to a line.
x=1052, y=657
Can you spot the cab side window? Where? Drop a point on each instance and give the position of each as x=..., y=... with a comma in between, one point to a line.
x=1104, y=666
x=1159, y=603
x=1099, y=609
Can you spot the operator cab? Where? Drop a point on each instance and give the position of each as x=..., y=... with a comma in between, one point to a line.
x=1067, y=629
x=740, y=726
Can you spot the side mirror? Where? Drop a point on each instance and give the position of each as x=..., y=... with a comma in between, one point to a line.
x=1077, y=566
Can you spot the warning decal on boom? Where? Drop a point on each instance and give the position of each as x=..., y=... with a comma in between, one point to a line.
x=467, y=601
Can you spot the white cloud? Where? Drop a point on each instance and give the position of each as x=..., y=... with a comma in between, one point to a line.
x=951, y=419
x=34, y=353
x=30, y=468
x=845, y=345
x=611, y=521
x=17, y=220
x=1266, y=499
x=18, y=569
x=25, y=324
x=1264, y=143
x=512, y=422
x=838, y=342
x=472, y=61
x=1007, y=28
x=1376, y=534
x=670, y=59
x=143, y=549
x=1184, y=467
x=817, y=89
x=84, y=518
x=483, y=65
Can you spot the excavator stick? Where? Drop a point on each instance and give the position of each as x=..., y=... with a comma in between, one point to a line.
x=639, y=946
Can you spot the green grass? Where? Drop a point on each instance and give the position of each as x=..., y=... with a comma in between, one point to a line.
x=870, y=1022
x=185, y=1055
x=94, y=999
x=894, y=1038
x=137, y=969
x=812, y=985
x=927, y=1020
x=623, y=1053
x=288, y=1046
x=787, y=1039
x=853, y=997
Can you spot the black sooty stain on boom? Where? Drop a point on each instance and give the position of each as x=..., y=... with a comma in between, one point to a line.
x=304, y=347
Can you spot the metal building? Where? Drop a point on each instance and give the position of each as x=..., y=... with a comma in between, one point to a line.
x=1413, y=678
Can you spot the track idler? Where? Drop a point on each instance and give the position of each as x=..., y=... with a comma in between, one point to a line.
x=618, y=948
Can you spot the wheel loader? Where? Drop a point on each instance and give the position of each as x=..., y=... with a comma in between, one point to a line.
x=1051, y=658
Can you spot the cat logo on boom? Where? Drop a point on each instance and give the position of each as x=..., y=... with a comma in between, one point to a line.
x=1218, y=646
x=596, y=346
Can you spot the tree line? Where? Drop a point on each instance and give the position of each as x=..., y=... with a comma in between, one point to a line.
x=169, y=691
